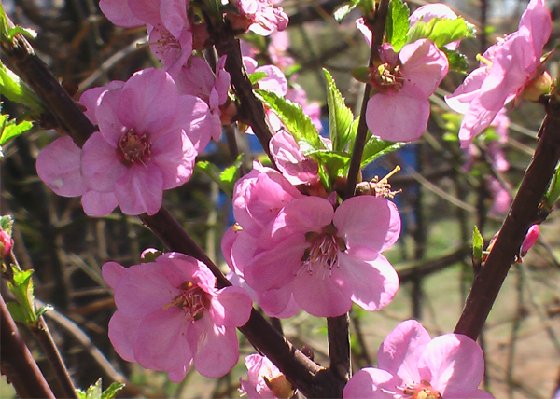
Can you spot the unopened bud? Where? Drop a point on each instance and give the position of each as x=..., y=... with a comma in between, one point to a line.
x=6, y=244
x=530, y=239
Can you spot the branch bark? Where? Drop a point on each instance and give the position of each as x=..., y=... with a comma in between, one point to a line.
x=17, y=363
x=525, y=211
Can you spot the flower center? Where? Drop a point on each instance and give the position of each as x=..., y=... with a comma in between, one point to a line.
x=386, y=77
x=192, y=299
x=423, y=390
x=134, y=148
x=322, y=254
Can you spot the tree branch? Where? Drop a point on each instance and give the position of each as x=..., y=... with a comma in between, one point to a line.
x=17, y=363
x=525, y=211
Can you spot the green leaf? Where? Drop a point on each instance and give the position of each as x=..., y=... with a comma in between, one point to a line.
x=332, y=164
x=22, y=289
x=226, y=178
x=112, y=390
x=343, y=11
x=3, y=22
x=15, y=90
x=11, y=129
x=553, y=192
x=17, y=312
x=458, y=62
x=340, y=116
x=477, y=245
x=375, y=148
x=441, y=31
x=297, y=123
x=256, y=76
x=42, y=310
x=95, y=391
x=397, y=25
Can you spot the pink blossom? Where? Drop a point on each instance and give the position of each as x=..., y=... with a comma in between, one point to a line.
x=295, y=167
x=259, y=196
x=197, y=78
x=411, y=365
x=261, y=16
x=323, y=259
x=143, y=140
x=399, y=109
x=170, y=315
x=531, y=239
x=264, y=380
x=506, y=68
x=169, y=31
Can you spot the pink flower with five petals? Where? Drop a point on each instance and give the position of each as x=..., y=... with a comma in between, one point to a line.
x=399, y=109
x=170, y=315
x=321, y=258
x=411, y=365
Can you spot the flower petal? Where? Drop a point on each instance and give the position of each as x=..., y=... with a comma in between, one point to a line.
x=368, y=225
x=232, y=307
x=371, y=284
x=454, y=363
x=140, y=190
x=370, y=383
x=400, y=351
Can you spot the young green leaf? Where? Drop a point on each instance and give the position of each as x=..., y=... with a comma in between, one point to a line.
x=477, y=246
x=340, y=116
x=22, y=288
x=396, y=25
x=226, y=178
x=553, y=192
x=15, y=90
x=256, y=76
x=95, y=391
x=332, y=164
x=11, y=129
x=441, y=31
x=297, y=123
x=375, y=148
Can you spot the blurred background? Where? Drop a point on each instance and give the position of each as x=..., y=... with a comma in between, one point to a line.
x=444, y=194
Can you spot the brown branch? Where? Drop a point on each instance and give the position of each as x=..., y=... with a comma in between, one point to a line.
x=64, y=385
x=17, y=363
x=525, y=211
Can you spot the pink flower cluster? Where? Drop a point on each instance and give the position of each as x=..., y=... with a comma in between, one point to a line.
x=506, y=69
x=411, y=365
x=300, y=252
x=170, y=315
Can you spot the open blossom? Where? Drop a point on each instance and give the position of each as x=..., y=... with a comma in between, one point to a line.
x=318, y=256
x=260, y=16
x=170, y=315
x=506, y=69
x=413, y=366
x=143, y=146
x=264, y=380
x=169, y=31
x=399, y=109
